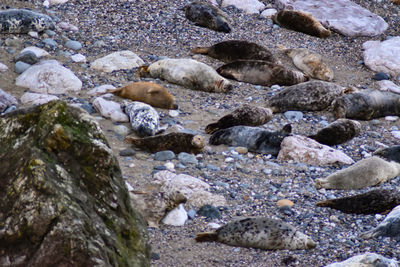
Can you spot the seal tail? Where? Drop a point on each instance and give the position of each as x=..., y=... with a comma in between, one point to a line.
x=200, y=50
x=212, y=128
x=115, y=91
x=325, y=203
x=206, y=237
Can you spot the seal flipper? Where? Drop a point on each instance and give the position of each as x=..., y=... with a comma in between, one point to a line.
x=206, y=237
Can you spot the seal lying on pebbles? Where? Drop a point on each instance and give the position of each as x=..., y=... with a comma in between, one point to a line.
x=366, y=172
x=261, y=73
x=208, y=16
x=302, y=22
x=233, y=50
x=309, y=62
x=338, y=132
x=188, y=73
x=255, y=139
x=308, y=96
x=371, y=202
x=143, y=117
x=153, y=203
x=389, y=153
x=147, y=92
x=367, y=105
x=244, y=115
x=24, y=21
x=176, y=142
x=262, y=233
x=389, y=227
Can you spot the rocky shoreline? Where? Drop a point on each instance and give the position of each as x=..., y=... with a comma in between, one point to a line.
x=251, y=183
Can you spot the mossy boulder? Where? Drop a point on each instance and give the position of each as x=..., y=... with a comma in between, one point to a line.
x=63, y=201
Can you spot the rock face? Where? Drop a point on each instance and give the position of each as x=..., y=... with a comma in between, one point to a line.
x=366, y=260
x=120, y=60
x=49, y=77
x=383, y=56
x=342, y=16
x=63, y=199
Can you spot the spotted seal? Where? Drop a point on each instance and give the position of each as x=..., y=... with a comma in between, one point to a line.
x=259, y=232
x=389, y=227
x=24, y=21
x=176, y=142
x=338, y=132
x=144, y=118
x=366, y=105
x=261, y=73
x=188, y=73
x=366, y=172
x=206, y=15
x=233, y=50
x=308, y=96
x=302, y=22
x=254, y=138
x=147, y=92
x=309, y=62
x=371, y=202
x=244, y=115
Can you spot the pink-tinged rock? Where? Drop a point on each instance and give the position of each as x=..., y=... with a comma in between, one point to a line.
x=6, y=100
x=110, y=109
x=3, y=68
x=117, y=61
x=36, y=99
x=386, y=85
x=39, y=52
x=268, y=12
x=248, y=6
x=49, y=77
x=100, y=90
x=65, y=26
x=383, y=56
x=342, y=16
x=302, y=149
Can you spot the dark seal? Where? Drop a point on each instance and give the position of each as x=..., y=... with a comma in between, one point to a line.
x=24, y=21
x=390, y=153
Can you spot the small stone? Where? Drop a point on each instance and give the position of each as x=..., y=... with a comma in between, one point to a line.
x=3, y=68
x=88, y=107
x=28, y=57
x=160, y=168
x=186, y=158
x=214, y=225
x=50, y=33
x=241, y=150
x=293, y=115
x=173, y=113
x=50, y=43
x=213, y=168
x=176, y=217
x=381, y=76
x=229, y=159
x=164, y=155
x=191, y=214
x=155, y=256
x=33, y=34
x=121, y=130
x=287, y=210
x=285, y=202
x=396, y=134
x=78, y=58
x=74, y=45
x=20, y=67
x=334, y=219
x=210, y=212
x=391, y=118
x=170, y=166
x=128, y=152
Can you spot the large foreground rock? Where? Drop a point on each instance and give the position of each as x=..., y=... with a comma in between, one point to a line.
x=63, y=201
x=121, y=60
x=366, y=260
x=383, y=56
x=343, y=16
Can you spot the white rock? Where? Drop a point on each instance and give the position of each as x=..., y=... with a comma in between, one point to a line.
x=110, y=109
x=37, y=99
x=39, y=52
x=117, y=61
x=366, y=260
x=33, y=34
x=49, y=77
x=214, y=225
x=121, y=130
x=248, y=6
x=343, y=16
x=386, y=85
x=46, y=3
x=395, y=134
x=3, y=68
x=391, y=118
x=268, y=13
x=128, y=186
x=176, y=217
x=383, y=56
x=78, y=58
x=67, y=27
x=100, y=90
x=57, y=2
x=170, y=166
x=6, y=100
x=302, y=149
x=173, y=113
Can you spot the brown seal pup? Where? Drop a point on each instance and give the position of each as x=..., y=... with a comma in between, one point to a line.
x=244, y=115
x=261, y=73
x=302, y=22
x=371, y=202
x=147, y=92
x=366, y=172
x=367, y=105
x=188, y=73
x=208, y=16
x=389, y=153
x=338, y=132
x=176, y=142
x=262, y=233
x=255, y=139
x=233, y=50
x=308, y=96
x=309, y=62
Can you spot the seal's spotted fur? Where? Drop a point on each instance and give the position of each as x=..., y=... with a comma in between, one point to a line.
x=23, y=21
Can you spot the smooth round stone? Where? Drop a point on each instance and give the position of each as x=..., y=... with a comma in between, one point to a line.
x=50, y=43
x=191, y=214
x=391, y=118
x=284, y=202
x=50, y=33
x=99, y=43
x=396, y=134
x=10, y=108
x=173, y=113
x=241, y=150
x=121, y=130
x=170, y=166
x=155, y=256
x=275, y=87
x=127, y=152
x=164, y=155
x=186, y=158
x=27, y=57
x=381, y=76
x=78, y=58
x=293, y=115
x=213, y=168
x=74, y=45
x=20, y=67
x=210, y=212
